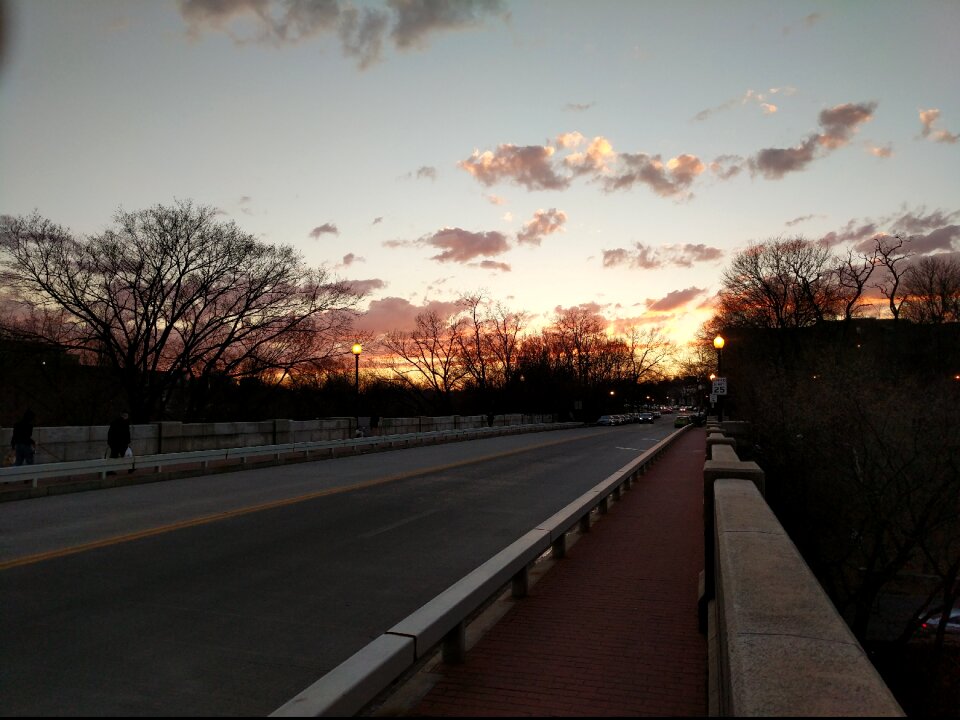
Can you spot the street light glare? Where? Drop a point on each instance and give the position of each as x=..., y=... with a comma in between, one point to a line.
x=356, y=349
x=718, y=342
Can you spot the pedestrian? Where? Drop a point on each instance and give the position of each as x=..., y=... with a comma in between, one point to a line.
x=22, y=439
x=118, y=436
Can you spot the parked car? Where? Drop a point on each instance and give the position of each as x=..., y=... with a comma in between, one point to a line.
x=646, y=417
x=932, y=624
x=606, y=420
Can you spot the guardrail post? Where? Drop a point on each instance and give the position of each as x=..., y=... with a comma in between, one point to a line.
x=585, y=523
x=604, y=505
x=559, y=547
x=616, y=493
x=455, y=645
x=520, y=584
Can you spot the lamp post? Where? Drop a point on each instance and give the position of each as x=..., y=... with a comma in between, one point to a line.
x=356, y=350
x=718, y=343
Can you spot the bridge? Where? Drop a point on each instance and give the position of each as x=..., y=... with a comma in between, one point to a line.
x=652, y=579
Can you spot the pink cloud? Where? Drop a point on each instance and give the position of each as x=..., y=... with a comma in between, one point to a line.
x=839, y=124
x=366, y=286
x=493, y=265
x=529, y=166
x=544, y=222
x=647, y=257
x=675, y=299
x=394, y=313
x=325, y=229
x=462, y=246
x=665, y=180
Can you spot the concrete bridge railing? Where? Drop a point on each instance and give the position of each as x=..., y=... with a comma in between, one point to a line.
x=84, y=474
x=777, y=645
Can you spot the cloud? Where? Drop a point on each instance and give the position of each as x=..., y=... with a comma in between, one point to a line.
x=393, y=313
x=927, y=232
x=852, y=232
x=798, y=220
x=377, y=220
x=528, y=166
x=325, y=229
x=366, y=286
x=726, y=166
x=880, y=151
x=774, y=163
x=665, y=180
x=839, y=124
x=495, y=200
x=751, y=97
x=646, y=257
x=362, y=31
x=544, y=222
x=427, y=172
x=349, y=259
x=492, y=265
x=462, y=246
x=688, y=254
x=417, y=19
x=578, y=107
x=674, y=299
x=570, y=139
x=928, y=118
x=595, y=159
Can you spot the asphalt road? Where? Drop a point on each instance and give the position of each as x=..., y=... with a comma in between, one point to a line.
x=229, y=594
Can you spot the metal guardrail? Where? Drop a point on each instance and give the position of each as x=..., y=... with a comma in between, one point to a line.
x=318, y=448
x=357, y=681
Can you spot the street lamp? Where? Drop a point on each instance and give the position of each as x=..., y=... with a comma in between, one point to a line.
x=718, y=343
x=356, y=350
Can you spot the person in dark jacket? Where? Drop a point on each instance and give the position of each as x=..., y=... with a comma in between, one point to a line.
x=22, y=439
x=118, y=436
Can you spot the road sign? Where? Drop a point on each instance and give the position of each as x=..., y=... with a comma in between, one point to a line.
x=720, y=386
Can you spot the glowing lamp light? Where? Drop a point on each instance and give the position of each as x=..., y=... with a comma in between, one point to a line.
x=356, y=349
x=718, y=342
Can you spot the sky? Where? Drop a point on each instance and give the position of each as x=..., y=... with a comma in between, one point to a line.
x=611, y=155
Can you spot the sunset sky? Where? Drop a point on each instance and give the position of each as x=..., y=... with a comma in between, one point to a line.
x=552, y=153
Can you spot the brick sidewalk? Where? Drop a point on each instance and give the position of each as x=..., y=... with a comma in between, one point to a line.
x=611, y=630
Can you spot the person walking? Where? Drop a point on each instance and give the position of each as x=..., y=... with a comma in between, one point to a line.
x=118, y=436
x=22, y=439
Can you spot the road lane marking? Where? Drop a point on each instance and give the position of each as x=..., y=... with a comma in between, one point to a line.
x=400, y=523
x=228, y=514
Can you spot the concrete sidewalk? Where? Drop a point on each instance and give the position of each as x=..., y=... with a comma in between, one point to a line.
x=610, y=630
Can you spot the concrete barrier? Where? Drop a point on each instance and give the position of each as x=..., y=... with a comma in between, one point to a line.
x=784, y=650
x=777, y=645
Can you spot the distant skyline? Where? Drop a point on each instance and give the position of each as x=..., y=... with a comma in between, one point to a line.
x=610, y=155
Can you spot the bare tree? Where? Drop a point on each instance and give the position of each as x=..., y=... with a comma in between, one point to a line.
x=505, y=334
x=932, y=290
x=777, y=284
x=430, y=354
x=852, y=277
x=892, y=257
x=649, y=351
x=170, y=293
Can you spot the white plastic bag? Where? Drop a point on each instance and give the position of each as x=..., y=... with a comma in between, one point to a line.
x=128, y=453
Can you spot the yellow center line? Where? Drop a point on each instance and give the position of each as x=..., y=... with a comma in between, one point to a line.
x=227, y=514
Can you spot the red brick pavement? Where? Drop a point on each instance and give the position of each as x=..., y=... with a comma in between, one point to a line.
x=611, y=630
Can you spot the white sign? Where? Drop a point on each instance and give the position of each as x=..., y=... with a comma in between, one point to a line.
x=713, y=399
x=720, y=386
